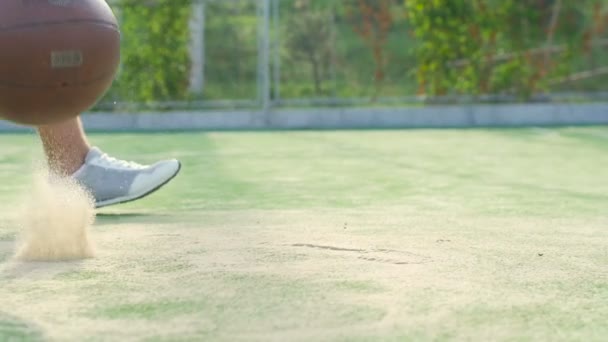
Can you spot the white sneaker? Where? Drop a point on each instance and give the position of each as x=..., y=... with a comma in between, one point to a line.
x=112, y=181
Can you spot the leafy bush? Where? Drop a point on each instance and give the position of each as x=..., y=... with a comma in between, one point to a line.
x=155, y=56
x=496, y=46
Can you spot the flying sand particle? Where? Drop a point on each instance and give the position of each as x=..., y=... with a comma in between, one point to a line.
x=55, y=221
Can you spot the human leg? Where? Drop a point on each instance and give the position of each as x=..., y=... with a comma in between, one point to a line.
x=65, y=146
x=109, y=180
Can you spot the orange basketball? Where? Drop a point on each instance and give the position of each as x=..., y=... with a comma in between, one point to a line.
x=57, y=58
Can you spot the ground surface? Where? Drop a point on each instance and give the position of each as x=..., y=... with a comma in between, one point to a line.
x=313, y=236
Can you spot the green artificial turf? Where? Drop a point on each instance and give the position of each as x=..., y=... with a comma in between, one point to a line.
x=342, y=236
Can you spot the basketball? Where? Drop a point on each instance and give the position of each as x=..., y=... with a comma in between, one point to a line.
x=57, y=58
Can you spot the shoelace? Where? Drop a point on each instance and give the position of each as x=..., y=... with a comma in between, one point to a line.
x=108, y=161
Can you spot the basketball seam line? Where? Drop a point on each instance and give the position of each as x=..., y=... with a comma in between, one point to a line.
x=17, y=85
x=57, y=23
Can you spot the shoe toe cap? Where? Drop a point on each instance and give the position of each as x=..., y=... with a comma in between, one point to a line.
x=159, y=174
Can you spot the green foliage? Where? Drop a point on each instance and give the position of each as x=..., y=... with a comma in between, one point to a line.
x=495, y=46
x=155, y=56
x=364, y=48
x=442, y=28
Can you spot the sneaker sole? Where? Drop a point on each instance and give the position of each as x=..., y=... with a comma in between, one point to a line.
x=126, y=199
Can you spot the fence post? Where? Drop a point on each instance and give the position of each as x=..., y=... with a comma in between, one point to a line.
x=264, y=80
x=197, y=47
x=277, y=51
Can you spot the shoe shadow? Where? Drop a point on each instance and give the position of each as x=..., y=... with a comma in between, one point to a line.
x=12, y=268
x=7, y=248
x=124, y=215
x=114, y=218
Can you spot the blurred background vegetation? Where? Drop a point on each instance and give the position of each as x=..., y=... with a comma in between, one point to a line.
x=357, y=52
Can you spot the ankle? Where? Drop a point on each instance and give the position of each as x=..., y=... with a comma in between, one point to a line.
x=67, y=163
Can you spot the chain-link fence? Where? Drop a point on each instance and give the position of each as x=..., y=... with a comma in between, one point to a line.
x=278, y=53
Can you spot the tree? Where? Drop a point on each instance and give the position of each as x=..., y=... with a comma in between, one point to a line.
x=155, y=56
x=495, y=46
x=310, y=39
x=372, y=21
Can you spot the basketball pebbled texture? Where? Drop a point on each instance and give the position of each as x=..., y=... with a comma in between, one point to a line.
x=57, y=58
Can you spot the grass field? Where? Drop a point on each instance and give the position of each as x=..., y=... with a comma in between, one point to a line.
x=343, y=236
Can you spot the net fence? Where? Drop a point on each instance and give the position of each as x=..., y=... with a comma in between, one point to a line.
x=184, y=54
